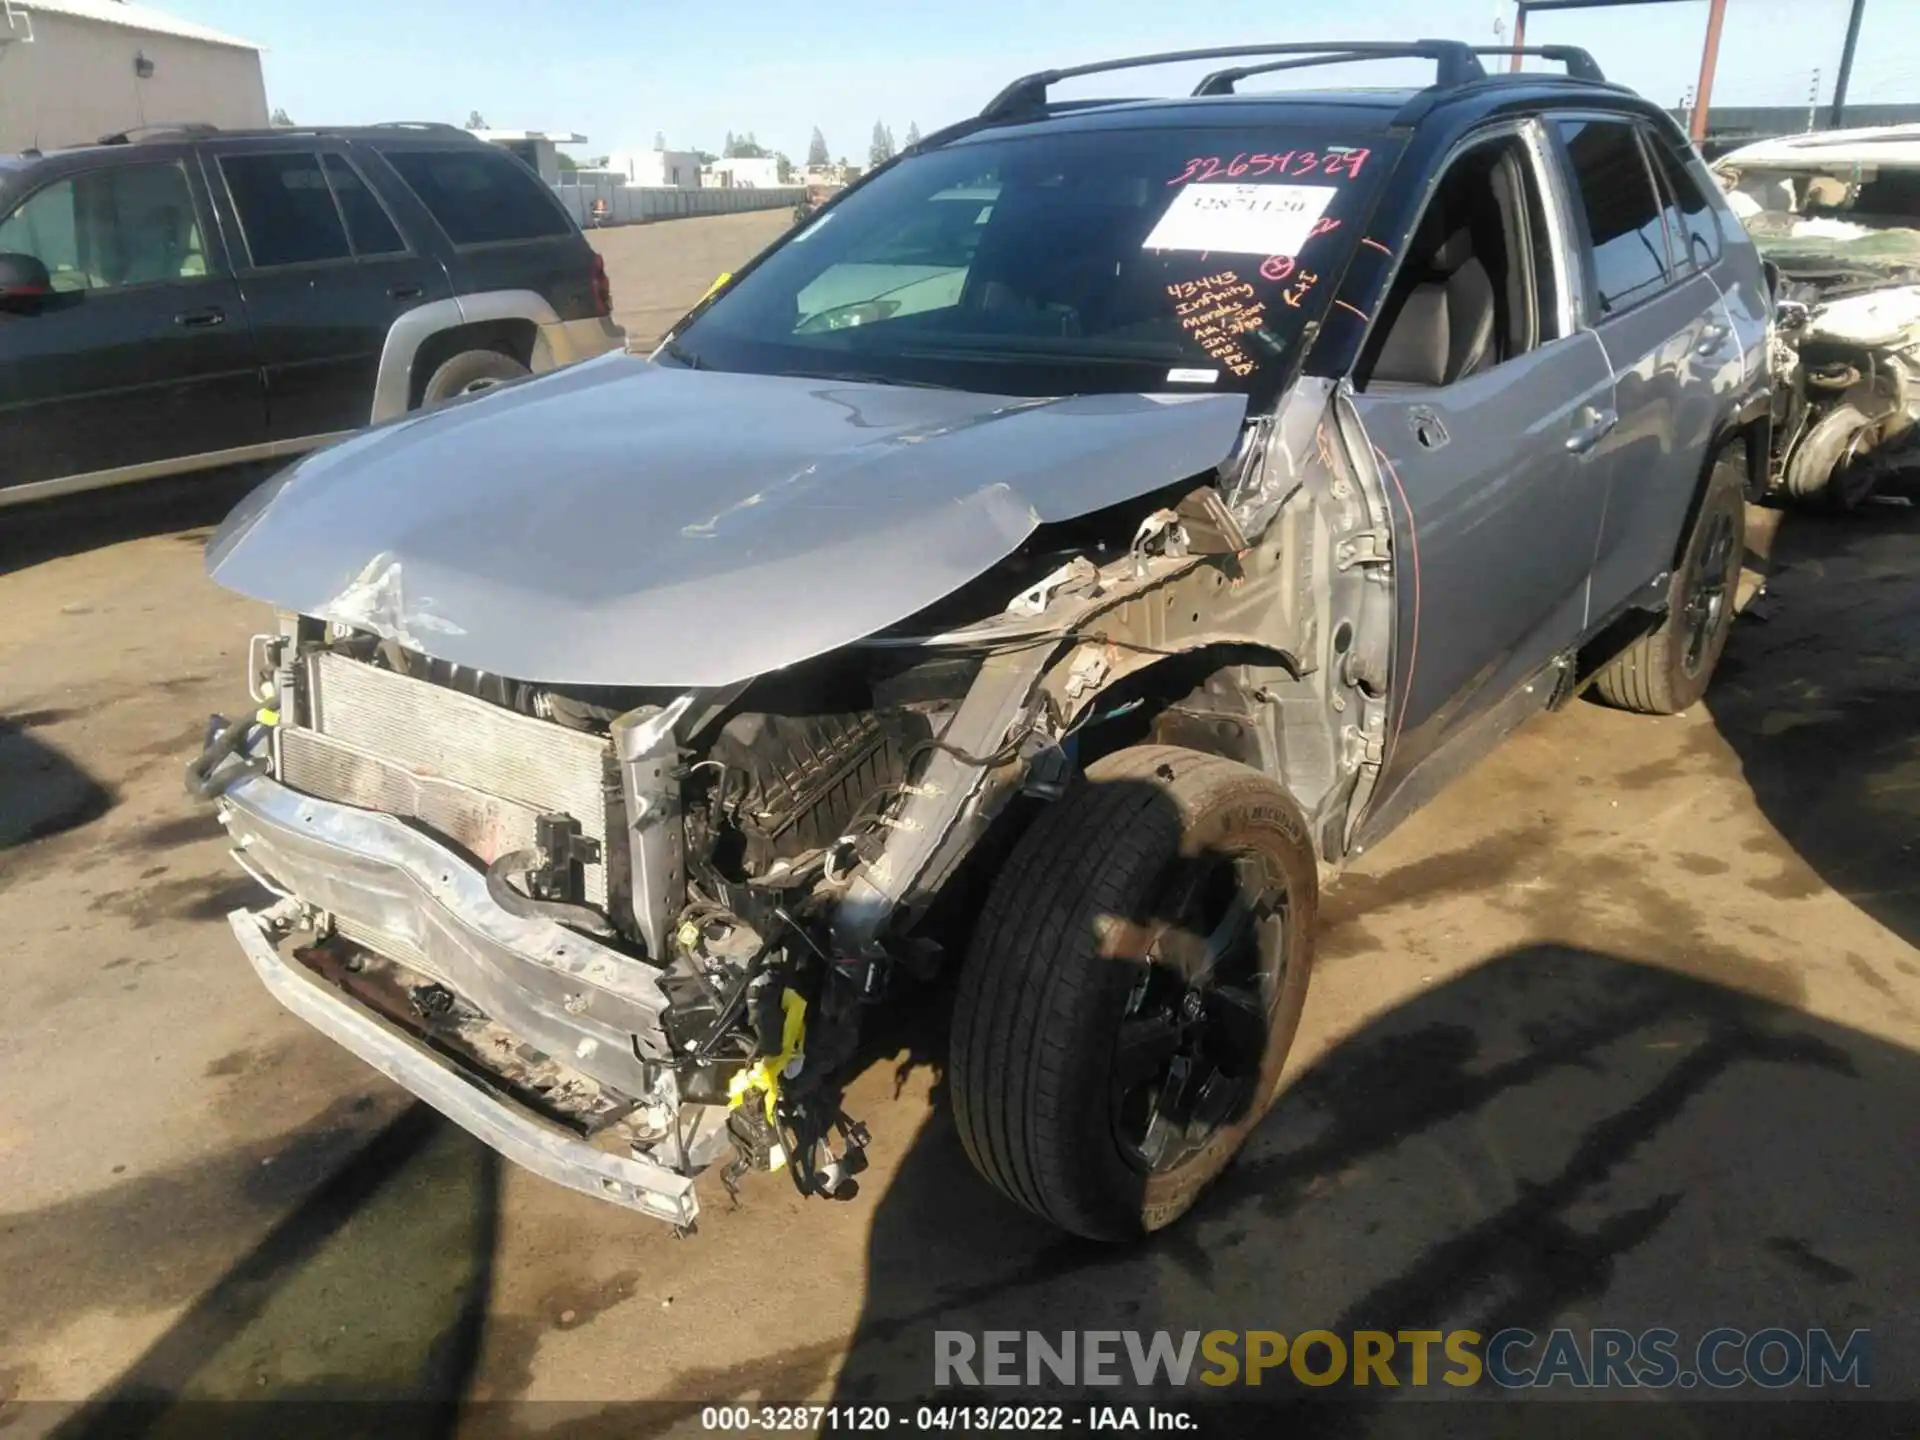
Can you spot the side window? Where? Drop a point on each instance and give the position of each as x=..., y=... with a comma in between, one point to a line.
x=1697, y=230
x=128, y=225
x=286, y=209
x=1476, y=287
x=481, y=195
x=369, y=226
x=1622, y=211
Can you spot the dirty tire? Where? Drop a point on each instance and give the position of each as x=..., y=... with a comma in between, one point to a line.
x=1667, y=669
x=469, y=372
x=1036, y=1070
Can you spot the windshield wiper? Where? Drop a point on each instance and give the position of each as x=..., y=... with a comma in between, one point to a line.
x=857, y=377
x=684, y=356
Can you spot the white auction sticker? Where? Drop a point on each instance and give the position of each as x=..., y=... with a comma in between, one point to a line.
x=1241, y=219
x=1192, y=377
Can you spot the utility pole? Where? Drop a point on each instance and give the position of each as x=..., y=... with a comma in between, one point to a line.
x=1716, y=19
x=1846, y=65
x=1813, y=99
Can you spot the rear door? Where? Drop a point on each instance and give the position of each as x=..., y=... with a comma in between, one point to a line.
x=1668, y=340
x=140, y=358
x=1494, y=479
x=325, y=271
x=505, y=228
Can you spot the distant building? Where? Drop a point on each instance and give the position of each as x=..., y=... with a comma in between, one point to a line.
x=539, y=148
x=658, y=169
x=838, y=174
x=742, y=174
x=72, y=71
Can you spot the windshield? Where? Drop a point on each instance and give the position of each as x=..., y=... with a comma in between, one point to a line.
x=1067, y=262
x=1863, y=217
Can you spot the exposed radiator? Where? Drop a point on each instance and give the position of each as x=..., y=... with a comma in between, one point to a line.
x=467, y=770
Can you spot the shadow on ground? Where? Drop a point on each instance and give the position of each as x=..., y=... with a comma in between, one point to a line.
x=190, y=505
x=373, y=1288
x=1558, y=1138
x=1821, y=700
x=43, y=791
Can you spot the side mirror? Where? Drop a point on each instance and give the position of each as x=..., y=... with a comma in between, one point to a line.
x=24, y=281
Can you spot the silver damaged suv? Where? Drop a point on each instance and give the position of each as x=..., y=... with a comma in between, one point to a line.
x=1039, y=572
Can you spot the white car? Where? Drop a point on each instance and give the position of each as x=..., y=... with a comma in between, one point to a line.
x=1837, y=217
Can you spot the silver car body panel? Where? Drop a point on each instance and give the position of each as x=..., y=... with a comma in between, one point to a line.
x=625, y=523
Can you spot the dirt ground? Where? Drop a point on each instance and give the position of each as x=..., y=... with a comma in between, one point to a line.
x=1622, y=1030
x=658, y=271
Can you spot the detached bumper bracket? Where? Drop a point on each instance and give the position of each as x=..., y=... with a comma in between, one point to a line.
x=520, y=1137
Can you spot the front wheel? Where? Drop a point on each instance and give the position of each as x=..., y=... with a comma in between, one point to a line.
x=1133, y=989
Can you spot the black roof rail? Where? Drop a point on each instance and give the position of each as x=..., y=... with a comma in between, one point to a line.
x=1580, y=63
x=438, y=126
x=1222, y=82
x=1455, y=60
x=148, y=134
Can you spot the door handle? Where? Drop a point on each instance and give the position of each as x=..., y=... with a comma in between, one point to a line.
x=405, y=292
x=1593, y=423
x=201, y=319
x=1711, y=339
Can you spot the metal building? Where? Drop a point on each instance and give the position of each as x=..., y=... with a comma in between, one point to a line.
x=72, y=71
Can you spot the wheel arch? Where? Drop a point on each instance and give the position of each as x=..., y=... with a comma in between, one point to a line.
x=515, y=322
x=517, y=339
x=1754, y=435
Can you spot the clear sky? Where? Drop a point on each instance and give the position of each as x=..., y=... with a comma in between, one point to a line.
x=621, y=70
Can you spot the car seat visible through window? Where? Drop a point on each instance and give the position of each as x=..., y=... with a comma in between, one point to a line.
x=1462, y=301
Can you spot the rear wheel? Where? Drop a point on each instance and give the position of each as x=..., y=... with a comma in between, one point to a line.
x=1133, y=989
x=1667, y=669
x=468, y=373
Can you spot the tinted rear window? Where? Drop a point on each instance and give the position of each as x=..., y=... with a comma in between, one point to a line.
x=286, y=209
x=368, y=226
x=1697, y=232
x=480, y=195
x=1623, y=214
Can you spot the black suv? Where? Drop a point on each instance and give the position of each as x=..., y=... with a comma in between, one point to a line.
x=172, y=300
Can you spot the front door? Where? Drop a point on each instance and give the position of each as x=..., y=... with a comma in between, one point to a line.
x=1486, y=407
x=141, y=356
x=1497, y=498
x=326, y=273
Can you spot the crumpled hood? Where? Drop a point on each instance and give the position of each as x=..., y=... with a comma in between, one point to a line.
x=624, y=523
x=1878, y=317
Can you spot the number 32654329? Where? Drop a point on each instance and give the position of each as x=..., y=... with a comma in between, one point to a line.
x=1294, y=164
